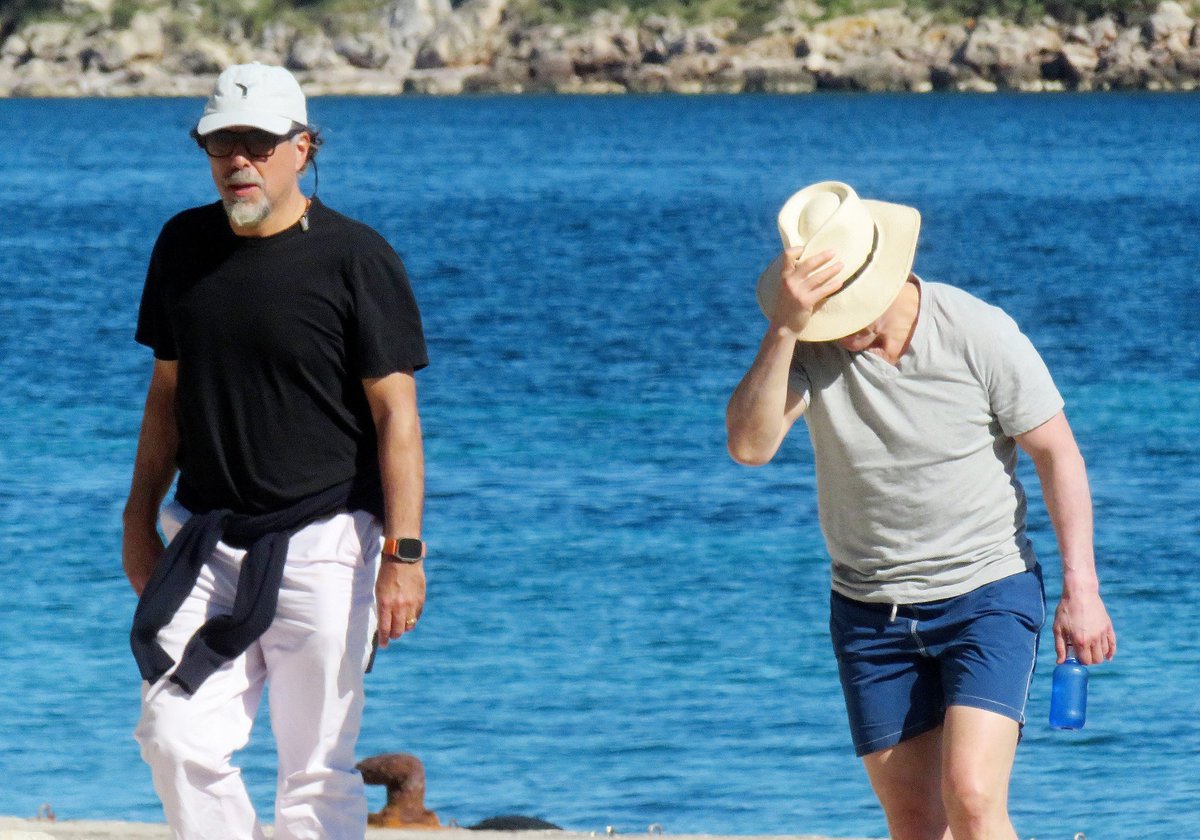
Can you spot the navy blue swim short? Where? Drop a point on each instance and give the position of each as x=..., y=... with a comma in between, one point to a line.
x=901, y=671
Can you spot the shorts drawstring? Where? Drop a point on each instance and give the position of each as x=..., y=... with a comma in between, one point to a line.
x=895, y=609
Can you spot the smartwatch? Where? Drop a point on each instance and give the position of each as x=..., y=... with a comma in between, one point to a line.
x=405, y=550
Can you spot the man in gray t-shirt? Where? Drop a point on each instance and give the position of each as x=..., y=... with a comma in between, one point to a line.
x=917, y=397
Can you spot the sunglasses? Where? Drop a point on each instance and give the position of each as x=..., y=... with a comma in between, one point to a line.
x=256, y=143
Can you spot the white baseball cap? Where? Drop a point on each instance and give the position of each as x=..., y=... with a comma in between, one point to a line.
x=254, y=95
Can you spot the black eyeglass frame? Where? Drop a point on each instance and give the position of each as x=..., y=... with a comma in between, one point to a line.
x=256, y=143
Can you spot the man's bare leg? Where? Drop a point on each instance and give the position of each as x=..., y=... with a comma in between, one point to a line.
x=978, y=749
x=907, y=779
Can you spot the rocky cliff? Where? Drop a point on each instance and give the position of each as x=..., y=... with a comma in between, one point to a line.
x=115, y=48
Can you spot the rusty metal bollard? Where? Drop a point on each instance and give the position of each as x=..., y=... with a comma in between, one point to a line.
x=404, y=776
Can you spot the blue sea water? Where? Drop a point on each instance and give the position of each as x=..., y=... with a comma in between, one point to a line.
x=623, y=627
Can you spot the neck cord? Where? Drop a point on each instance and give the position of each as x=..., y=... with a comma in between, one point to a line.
x=308, y=201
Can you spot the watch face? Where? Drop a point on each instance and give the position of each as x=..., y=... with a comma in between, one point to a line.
x=410, y=550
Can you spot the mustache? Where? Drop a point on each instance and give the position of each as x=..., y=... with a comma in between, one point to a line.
x=243, y=178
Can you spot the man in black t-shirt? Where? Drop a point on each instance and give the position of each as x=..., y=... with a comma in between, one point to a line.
x=285, y=340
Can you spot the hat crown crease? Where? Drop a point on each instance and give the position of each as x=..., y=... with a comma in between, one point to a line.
x=830, y=215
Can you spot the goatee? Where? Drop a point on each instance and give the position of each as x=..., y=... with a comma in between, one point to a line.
x=247, y=214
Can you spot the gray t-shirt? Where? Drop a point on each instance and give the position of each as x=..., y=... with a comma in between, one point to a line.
x=916, y=463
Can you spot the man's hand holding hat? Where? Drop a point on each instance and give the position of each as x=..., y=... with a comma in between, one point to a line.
x=803, y=283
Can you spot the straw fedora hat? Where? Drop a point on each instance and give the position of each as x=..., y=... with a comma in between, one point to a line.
x=874, y=240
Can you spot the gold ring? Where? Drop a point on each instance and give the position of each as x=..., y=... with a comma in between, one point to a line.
x=411, y=622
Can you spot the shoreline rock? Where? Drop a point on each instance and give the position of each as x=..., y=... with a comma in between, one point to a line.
x=483, y=46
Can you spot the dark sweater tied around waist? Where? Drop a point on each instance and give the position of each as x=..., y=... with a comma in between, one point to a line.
x=222, y=637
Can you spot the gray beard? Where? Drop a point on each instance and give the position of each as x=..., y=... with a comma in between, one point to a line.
x=248, y=214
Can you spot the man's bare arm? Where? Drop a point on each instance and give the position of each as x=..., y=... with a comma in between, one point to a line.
x=763, y=408
x=1081, y=619
x=153, y=471
x=400, y=587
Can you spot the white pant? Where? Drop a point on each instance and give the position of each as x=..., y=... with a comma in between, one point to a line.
x=313, y=655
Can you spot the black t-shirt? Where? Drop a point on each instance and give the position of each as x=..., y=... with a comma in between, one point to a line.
x=273, y=337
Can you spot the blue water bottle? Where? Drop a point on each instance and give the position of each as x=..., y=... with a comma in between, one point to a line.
x=1068, y=694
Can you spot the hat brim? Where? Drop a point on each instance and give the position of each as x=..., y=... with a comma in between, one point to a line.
x=862, y=301
x=243, y=119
